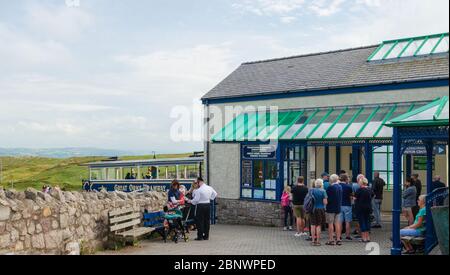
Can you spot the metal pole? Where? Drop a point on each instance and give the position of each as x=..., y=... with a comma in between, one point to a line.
x=430, y=234
x=397, y=200
x=369, y=160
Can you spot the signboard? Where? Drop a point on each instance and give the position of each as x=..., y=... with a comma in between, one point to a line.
x=421, y=151
x=420, y=163
x=259, y=151
x=129, y=187
x=247, y=170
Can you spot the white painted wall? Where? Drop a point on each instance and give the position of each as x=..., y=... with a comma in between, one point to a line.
x=225, y=161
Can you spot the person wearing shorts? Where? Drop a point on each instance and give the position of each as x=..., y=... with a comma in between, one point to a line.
x=299, y=193
x=333, y=211
x=346, y=208
x=318, y=215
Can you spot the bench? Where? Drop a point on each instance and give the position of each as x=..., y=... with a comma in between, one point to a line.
x=124, y=224
x=155, y=221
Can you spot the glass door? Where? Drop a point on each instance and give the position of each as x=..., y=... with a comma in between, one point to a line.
x=294, y=163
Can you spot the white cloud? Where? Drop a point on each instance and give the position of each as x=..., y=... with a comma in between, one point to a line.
x=58, y=22
x=22, y=52
x=326, y=7
x=288, y=19
x=269, y=7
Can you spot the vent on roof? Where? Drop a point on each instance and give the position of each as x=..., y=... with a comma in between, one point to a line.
x=411, y=47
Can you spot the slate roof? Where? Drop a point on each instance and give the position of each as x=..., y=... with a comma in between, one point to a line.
x=327, y=70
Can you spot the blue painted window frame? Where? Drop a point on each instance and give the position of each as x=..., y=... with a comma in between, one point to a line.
x=278, y=178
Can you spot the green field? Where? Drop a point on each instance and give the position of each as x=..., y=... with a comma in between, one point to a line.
x=22, y=172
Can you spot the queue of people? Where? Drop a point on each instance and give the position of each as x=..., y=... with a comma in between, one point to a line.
x=342, y=202
x=334, y=206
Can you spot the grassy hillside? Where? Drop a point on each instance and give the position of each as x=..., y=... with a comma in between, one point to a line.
x=23, y=172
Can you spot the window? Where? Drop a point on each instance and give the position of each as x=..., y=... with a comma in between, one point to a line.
x=130, y=173
x=167, y=172
x=383, y=162
x=188, y=171
x=259, y=179
x=149, y=172
x=412, y=47
x=98, y=174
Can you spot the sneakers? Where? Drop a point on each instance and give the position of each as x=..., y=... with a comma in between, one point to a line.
x=290, y=228
x=376, y=226
x=285, y=228
x=298, y=234
x=349, y=238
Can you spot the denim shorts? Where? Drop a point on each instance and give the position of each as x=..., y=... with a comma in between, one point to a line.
x=410, y=233
x=346, y=214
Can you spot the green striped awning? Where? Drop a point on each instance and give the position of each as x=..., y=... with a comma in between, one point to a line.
x=433, y=114
x=347, y=123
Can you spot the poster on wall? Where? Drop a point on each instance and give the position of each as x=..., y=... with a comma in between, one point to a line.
x=247, y=169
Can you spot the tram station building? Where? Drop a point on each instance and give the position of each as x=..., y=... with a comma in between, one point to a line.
x=323, y=112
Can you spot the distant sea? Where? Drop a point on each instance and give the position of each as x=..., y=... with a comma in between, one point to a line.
x=67, y=152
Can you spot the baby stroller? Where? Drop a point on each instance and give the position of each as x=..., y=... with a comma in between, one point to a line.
x=173, y=223
x=188, y=216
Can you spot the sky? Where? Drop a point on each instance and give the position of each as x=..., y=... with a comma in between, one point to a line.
x=108, y=73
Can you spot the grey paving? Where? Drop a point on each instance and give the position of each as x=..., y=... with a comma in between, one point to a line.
x=253, y=240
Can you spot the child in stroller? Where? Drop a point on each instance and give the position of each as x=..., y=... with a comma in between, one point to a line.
x=173, y=223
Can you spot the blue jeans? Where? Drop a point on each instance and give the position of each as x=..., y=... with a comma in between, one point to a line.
x=376, y=206
x=410, y=233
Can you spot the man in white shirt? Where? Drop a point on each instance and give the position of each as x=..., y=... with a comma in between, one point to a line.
x=202, y=198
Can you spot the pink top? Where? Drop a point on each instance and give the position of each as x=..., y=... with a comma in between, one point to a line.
x=285, y=199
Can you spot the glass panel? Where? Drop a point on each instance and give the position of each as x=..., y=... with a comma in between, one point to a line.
x=149, y=172
x=397, y=50
x=327, y=124
x=385, y=132
x=97, y=174
x=428, y=46
x=358, y=123
x=337, y=129
x=246, y=193
x=130, y=173
x=258, y=174
x=271, y=170
x=312, y=124
x=425, y=115
x=375, y=122
x=412, y=48
x=258, y=194
x=380, y=54
x=444, y=114
x=270, y=195
x=443, y=46
x=381, y=149
x=379, y=162
x=167, y=172
x=294, y=171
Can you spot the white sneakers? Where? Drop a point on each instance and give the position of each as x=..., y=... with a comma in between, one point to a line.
x=301, y=234
x=287, y=228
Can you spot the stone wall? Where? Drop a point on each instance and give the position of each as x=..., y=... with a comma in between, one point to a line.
x=32, y=222
x=230, y=211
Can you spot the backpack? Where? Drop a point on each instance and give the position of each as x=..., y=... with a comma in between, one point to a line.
x=309, y=202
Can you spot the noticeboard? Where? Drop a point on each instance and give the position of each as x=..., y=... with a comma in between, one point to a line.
x=247, y=170
x=259, y=151
x=420, y=163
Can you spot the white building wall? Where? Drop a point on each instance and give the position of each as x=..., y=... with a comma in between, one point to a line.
x=224, y=165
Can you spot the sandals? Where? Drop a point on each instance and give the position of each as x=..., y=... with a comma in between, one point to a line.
x=316, y=243
x=331, y=243
x=339, y=243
